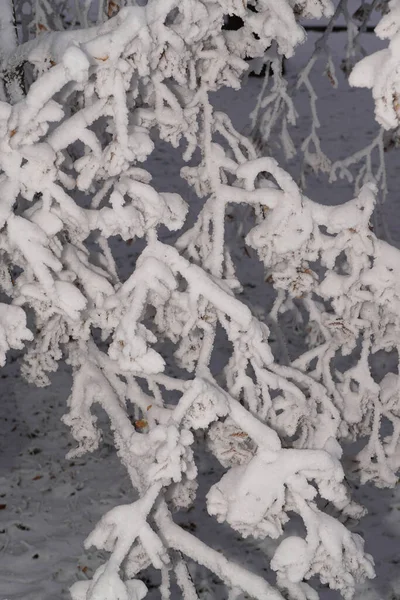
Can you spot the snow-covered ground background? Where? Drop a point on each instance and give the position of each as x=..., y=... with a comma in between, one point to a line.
x=48, y=505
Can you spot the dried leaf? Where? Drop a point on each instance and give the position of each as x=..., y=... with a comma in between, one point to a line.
x=112, y=9
x=83, y=569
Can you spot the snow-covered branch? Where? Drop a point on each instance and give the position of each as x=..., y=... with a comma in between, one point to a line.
x=73, y=188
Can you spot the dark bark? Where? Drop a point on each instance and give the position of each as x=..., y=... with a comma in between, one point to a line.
x=12, y=79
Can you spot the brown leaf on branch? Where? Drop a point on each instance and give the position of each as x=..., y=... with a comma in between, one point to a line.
x=112, y=9
x=83, y=569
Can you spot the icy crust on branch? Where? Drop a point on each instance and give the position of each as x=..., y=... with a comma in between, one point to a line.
x=101, y=69
x=13, y=330
x=71, y=179
x=276, y=111
x=352, y=307
x=379, y=71
x=252, y=498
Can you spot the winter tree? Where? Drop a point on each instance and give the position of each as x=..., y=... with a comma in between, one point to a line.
x=88, y=91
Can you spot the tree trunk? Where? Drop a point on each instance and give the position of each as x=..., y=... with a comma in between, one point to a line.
x=12, y=81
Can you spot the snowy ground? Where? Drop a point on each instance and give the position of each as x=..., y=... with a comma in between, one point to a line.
x=48, y=505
